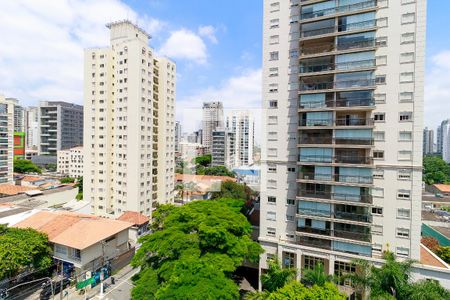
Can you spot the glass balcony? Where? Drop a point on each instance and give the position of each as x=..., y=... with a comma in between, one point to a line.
x=336, y=177
x=312, y=85
x=353, y=235
x=365, y=218
x=344, y=66
x=307, y=229
x=360, y=141
x=337, y=122
x=314, y=242
x=335, y=196
x=340, y=28
x=355, y=102
x=315, y=140
x=339, y=9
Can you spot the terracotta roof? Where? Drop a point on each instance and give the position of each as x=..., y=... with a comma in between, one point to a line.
x=74, y=230
x=429, y=259
x=134, y=218
x=445, y=188
x=190, y=177
x=31, y=178
x=10, y=189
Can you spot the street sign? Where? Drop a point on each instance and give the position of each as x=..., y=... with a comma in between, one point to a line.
x=85, y=283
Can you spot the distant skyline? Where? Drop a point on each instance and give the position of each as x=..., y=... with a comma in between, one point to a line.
x=216, y=44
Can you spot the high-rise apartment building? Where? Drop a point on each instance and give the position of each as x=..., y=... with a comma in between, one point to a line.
x=223, y=148
x=428, y=141
x=242, y=124
x=178, y=135
x=440, y=135
x=60, y=126
x=6, y=140
x=445, y=140
x=342, y=131
x=212, y=119
x=129, y=160
x=32, y=127
x=19, y=115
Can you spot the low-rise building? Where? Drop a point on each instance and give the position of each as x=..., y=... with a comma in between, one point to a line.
x=197, y=187
x=139, y=224
x=81, y=242
x=30, y=153
x=70, y=162
x=189, y=151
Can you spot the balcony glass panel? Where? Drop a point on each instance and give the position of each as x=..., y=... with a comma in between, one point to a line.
x=318, y=9
x=314, y=209
x=355, y=175
x=357, y=22
x=317, y=119
x=321, y=64
x=355, y=60
x=355, y=98
x=355, y=79
x=352, y=213
x=352, y=248
x=313, y=242
x=318, y=28
x=354, y=136
x=347, y=193
x=313, y=100
x=358, y=40
x=316, y=155
x=323, y=173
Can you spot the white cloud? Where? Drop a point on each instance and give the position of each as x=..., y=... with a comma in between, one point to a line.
x=239, y=92
x=208, y=32
x=43, y=42
x=184, y=44
x=437, y=89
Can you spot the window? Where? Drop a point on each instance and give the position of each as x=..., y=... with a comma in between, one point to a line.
x=404, y=155
x=381, y=41
x=270, y=256
x=407, y=38
x=75, y=253
x=290, y=201
x=272, y=199
x=377, y=210
x=405, y=136
x=271, y=216
x=378, y=136
x=408, y=18
x=292, y=170
x=274, y=39
x=274, y=6
x=378, y=192
x=273, y=104
x=377, y=229
x=273, y=55
x=273, y=120
x=60, y=249
x=403, y=252
x=406, y=97
x=290, y=236
x=377, y=248
x=272, y=136
x=311, y=261
x=382, y=22
x=289, y=218
x=378, y=173
x=273, y=88
x=407, y=57
x=380, y=79
x=403, y=195
x=271, y=231
x=274, y=23
x=405, y=116
x=404, y=174
x=406, y=77
x=273, y=72
x=381, y=60
x=293, y=53
x=380, y=98
x=271, y=184
x=379, y=117
x=378, y=154
x=272, y=152
x=272, y=168
x=403, y=213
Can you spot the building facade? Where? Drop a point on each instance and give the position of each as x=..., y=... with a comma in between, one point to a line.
x=212, y=119
x=178, y=134
x=428, y=141
x=129, y=124
x=70, y=162
x=19, y=115
x=223, y=148
x=60, y=126
x=342, y=131
x=243, y=125
x=32, y=127
x=6, y=140
x=19, y=145
x=442, y=137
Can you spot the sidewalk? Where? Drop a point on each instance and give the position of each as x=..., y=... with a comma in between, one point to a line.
x=120, y=290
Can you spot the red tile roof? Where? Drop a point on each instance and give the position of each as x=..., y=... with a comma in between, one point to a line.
x=428, y=258
x=10, y=189
x=134, y=218
x=444, y=188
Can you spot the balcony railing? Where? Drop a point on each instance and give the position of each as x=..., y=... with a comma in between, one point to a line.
x=354, y=141
x=313, y=230
x=314, y=212
x=337, y=122
x=339, y=28
x=339, y=9
x=336, y=177
x=344, y=66
x=355, y=102
x=315, y=243
x=322, y=140
x=364, y=218
x=314, y=86
x=340, y=159
x=351, y=235
x=335, y=196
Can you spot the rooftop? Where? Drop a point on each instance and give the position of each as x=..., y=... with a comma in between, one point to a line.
x=196, y=178
x=444, y=188
x=134, y=218
x=74, y=230
x=430, y=259
x=11, y=189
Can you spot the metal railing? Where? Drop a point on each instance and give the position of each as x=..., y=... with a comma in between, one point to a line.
x=337, y=122
x=344, y=159
x=336, y=177
x=351, y=102
x=339, y=28
x=335, y=196
x=314, y=86
x=340, y=9
x=354, y=141
x=346, y=234
x=364, y=218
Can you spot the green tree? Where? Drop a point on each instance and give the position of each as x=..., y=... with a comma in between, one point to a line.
x=219, y=171
x=444, y=253
x=276, y=277
x=25, y=166
x=204, y=160
x=428, y=290
x=51, y=167
x=67, y=180
x=22, y=248
x=435, y=170
x=193, y=251
x=294, y=290
x=316, y=276
x=230, y=189
x=79, y=185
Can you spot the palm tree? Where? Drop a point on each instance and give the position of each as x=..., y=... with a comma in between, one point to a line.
x=276, y=276
x=317, y=276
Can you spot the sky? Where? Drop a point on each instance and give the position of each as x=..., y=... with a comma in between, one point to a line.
x=216, y=45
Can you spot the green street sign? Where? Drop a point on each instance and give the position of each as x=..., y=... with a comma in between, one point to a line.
x=83, y=284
